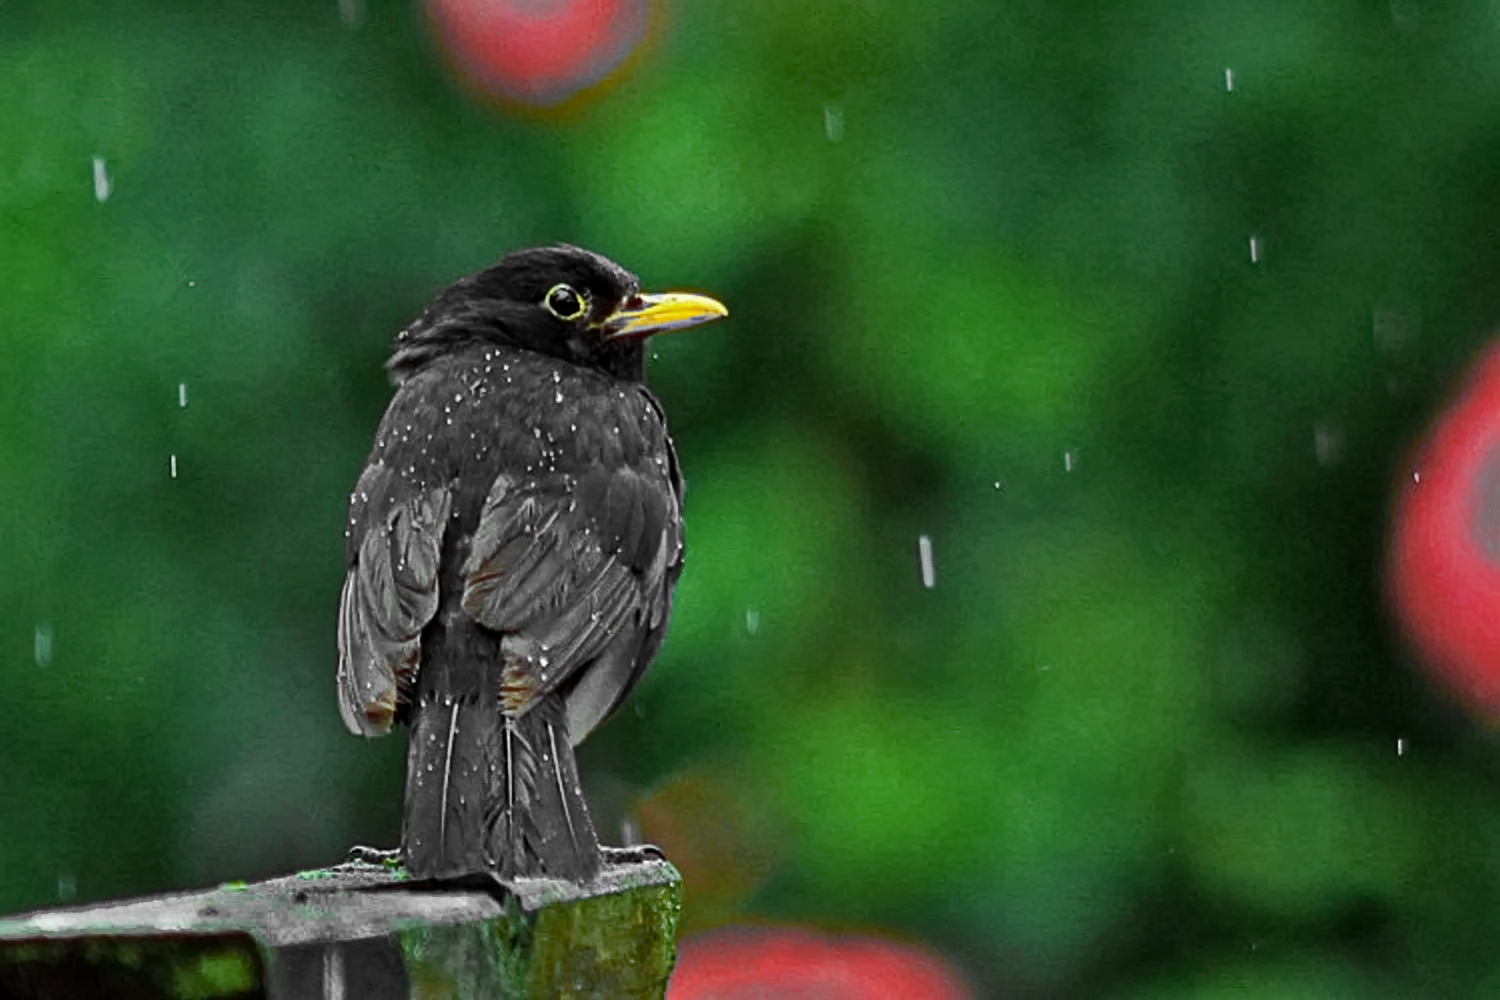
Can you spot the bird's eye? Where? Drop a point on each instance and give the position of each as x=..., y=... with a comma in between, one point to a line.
x=564, y=303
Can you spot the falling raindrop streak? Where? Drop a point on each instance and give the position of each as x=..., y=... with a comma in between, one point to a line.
x=1068, y=461
x=752, y=621
x=1400, y=746
x=174, y=466
x=102, y=185
x=1255, y=249
x=41, y=645
x=1328, y=443
x=924, y=556
x=833, y=121
x=182, y=395
x=1228, y=80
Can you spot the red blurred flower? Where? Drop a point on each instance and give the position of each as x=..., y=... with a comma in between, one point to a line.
x=759, y=963
x=1444, y=562
x=538, y=52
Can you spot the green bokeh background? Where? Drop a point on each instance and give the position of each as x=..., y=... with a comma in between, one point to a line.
x=990, y=273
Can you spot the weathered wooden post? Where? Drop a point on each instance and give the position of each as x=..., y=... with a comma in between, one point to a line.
x=357, y=932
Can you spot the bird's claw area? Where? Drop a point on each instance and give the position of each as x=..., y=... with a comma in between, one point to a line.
x=359, y=854
x=635, y=854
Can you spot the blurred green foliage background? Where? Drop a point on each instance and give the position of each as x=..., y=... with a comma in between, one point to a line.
x=991, y=279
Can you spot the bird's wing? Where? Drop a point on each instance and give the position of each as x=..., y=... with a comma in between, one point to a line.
x=573, y=570
x=390, y=594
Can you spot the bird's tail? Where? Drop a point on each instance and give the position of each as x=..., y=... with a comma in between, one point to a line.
x=538, y=821
x=489, y=793
x=449, y=772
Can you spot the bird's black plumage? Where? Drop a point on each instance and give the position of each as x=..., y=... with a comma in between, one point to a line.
x=513, y=543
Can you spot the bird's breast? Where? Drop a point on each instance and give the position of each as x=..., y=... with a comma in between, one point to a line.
x=517, y=413
x=467, y=421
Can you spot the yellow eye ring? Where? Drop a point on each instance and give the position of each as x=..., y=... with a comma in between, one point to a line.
x=565, y=303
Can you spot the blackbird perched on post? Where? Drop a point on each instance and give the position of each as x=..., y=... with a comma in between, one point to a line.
x=513, y=543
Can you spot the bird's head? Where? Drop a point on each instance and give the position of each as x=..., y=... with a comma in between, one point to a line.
x=561, y=301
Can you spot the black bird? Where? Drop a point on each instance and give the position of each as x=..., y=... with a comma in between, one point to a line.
x=512, y=548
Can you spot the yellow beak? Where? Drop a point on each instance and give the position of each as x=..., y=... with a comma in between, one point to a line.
x=644, y=315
